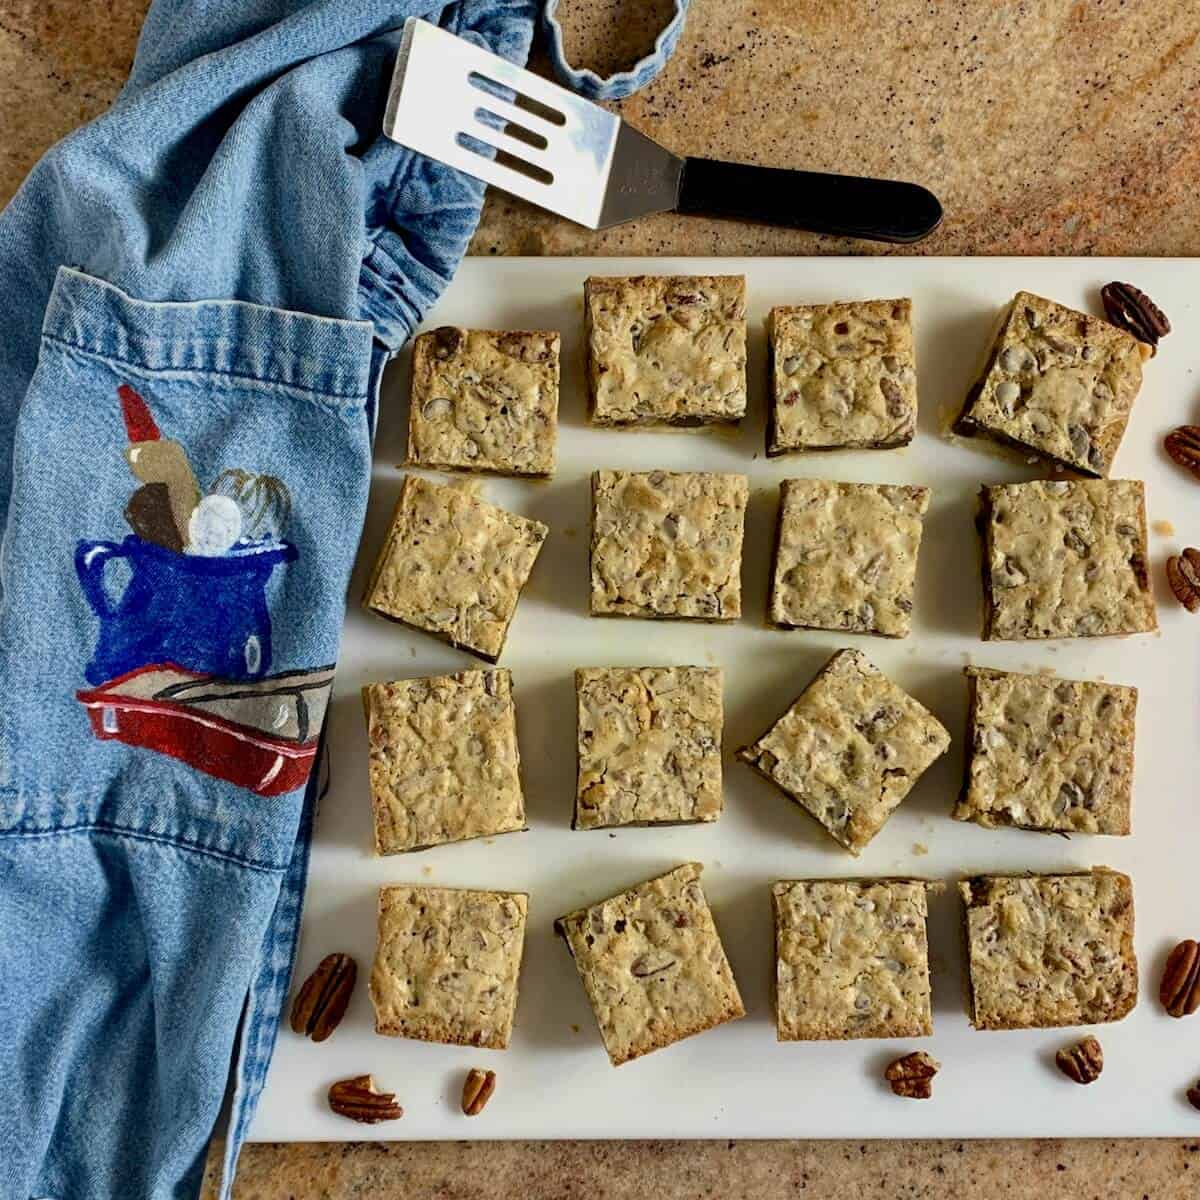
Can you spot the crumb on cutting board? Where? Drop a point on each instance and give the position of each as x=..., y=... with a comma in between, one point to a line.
x=1162, y=528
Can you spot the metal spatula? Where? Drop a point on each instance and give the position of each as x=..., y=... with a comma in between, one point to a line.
x=475, y=111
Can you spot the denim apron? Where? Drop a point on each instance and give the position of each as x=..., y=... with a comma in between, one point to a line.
x=201, y=289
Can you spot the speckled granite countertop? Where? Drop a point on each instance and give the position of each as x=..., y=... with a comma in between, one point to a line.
x=1064, y=127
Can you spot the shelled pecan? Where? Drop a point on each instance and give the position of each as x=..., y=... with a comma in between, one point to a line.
x=1129, y=308
x=321, y=1002
x=477, y=1091
x=912, y=1075
x=1082, y=1061
x=1180, y=987
x=358, y=1099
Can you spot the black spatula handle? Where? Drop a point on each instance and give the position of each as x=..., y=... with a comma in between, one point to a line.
x=883, y=210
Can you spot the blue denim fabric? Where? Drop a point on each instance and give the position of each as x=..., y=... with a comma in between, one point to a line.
x=624, y=83
x=212, y=273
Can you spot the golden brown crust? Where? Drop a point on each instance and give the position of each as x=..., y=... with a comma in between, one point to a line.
x=666, y=350
x=843, y=376
x=1066, y=558
x=1059, y=383
x=652, y=964
x=453, y=566
x=1046, y=951
x=447, y=964
x=485, y=400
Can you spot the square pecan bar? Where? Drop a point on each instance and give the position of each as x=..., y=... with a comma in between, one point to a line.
x=1058, y=383
x=649, y=745
x=851, y=959
x=849, y=749
x=842, y=376
x=447, y=963
x=667, y=545
x=1065, y=559
x=453, y=566
x=444, y=764
x=846, y=556
x=484, y=400
x=1049, y=754
x=666, y=350
x=1049, y=950
x=652, y=964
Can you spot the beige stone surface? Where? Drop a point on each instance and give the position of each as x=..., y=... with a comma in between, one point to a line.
x=1057, y=128
x=1066, y=127
x=678, y=1170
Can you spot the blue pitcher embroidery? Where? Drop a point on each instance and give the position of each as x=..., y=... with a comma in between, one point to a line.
x=183, y=656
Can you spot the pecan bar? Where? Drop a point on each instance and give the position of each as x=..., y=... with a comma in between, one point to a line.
x=666, y=350
x=652, y=964
x=447, y=963
x=484, y=400
x=667, y=545
x=851, y=959
x=849, y=749
x=846, y=556
x=444, y=764
x=649, y=745
x=1057, y=383
x=1049, y=950
x=1065, y=559
x=842, y=376
x=453, y=566
x=1049, y=754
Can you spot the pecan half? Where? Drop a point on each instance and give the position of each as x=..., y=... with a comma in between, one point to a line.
x=446, y=341
x=477, y=1090
x=1183, y=574
x=912, y=1075
x=321, y=1002
x=1082, y=1061
x=358, y=1099
x=1183, y=445
x=1193, y=1095
x=1180, y=987
x=1129, y=308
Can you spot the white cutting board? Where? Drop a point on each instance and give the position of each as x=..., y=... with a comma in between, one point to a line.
x=737, y=1081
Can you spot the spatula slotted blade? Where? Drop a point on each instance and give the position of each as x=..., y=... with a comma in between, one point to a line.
x=474, y=111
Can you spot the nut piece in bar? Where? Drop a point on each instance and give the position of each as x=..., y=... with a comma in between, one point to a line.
x=453, y=566
x=843, y=376
x=666, y=350
x=484, y=400
x=321, y=1002
x=1082, y=1061
x=447, y=963
x=851, y=959
x=652, y=964
x=667, y=545
x=849, y=749
x=1048, y=754
x=1058, y=383
x=1049, y=950
x=444, y=763
x=912, y=1076
x=1065, y=559
x=649, y=745
x=846, y=556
